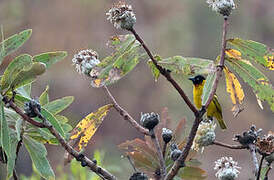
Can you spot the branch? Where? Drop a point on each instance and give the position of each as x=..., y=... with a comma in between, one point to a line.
x=260, y=168
x=166, y=73
x=221, y=64
x=254, y=158
x=228, y=145
x=125, y=114
x=159, y=153
x=181, y=160
x=164, y=149
x=97, y=169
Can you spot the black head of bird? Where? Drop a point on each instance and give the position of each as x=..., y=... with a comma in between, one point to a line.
x=197, y=79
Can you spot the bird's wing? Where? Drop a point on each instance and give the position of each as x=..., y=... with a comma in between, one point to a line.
x=217, y=105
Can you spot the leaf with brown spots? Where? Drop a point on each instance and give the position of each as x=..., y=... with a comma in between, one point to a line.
x=86, y=128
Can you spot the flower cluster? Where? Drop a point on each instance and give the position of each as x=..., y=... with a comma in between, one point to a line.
x=227, y=169
x=223, y=7
x=205, y=135
x=85, y=61
x=121, y=16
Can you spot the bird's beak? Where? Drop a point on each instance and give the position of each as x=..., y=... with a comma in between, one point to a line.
x=192, y=79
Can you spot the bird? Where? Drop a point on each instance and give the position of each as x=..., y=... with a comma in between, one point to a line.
x=214, y=109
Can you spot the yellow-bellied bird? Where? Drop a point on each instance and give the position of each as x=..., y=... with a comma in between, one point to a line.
x=214, y=109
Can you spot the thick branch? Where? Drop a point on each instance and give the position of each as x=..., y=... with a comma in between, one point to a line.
x=159, y=153
x=98, y=170
x=228, y=145
x=126, y=115
x=181, y=160
x=166, y=73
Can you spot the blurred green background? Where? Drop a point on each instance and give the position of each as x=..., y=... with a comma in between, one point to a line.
x=175, y=27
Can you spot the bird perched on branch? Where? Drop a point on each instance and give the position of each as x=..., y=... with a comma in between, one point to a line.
x=214, y=109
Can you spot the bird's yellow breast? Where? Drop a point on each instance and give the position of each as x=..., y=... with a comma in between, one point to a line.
x=197, y=94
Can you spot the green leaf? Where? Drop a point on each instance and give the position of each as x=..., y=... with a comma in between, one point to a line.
x=208, y=87
x=255, y=79
x=24, y=90
x=59, y=105
x=263, y=172
x=5, y=134
x=14, y=42
x=50, y=58
x=154, y=70
x=18, y=128
x=38, y=153
x=12, y=155
x=21, y=62
x=44, y=97
x=28, y=75
x=255, y=51
x=55, y=123
x=192, y=173
x=122, y=61
x=187, y=65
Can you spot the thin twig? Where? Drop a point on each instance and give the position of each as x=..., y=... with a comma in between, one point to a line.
x=159, y=152
x=131, y=163
x=266, y=174
x=260, y=167
x=164, y=149
x=252, y=150
x=126, y=115
x=228, y=145
x=97, y=169
x=181, y=160
x=14, y=174
x=166, y=73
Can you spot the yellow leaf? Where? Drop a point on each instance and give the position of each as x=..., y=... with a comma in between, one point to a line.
x=270, y=62
x=232, y=53
x=86, y=128
x=234, y=87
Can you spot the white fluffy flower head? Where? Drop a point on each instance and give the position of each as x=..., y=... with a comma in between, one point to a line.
x=223, y=7
x=85, y=61
x=205, y=135
x=121, y=16
x=227, y=169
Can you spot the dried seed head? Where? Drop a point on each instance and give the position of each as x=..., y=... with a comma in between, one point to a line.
x=149, y=120
x=166, y=135
x=248, y=137
x=122, y=16
x=205, y=135
x=265, y=145
x=223, y=7
x=85, y=61
x=138, y=176
x=30, y=106
x=227, y=169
